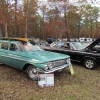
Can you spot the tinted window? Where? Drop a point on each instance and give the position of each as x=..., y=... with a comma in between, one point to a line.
x=68, y=45
x=4, y=45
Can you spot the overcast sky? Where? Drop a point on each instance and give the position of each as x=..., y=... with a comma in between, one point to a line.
x=93, y=2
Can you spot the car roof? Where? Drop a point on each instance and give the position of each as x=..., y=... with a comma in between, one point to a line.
x=15, y=39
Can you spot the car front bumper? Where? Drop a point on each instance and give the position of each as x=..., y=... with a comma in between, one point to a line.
x=54, y=69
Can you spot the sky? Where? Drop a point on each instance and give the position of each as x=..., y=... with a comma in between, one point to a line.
x=92, y=2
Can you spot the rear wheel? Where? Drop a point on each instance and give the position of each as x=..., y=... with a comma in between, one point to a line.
x=89, y=63
x=32, y=72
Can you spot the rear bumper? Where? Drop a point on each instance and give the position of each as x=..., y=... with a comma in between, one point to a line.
x=54, y=69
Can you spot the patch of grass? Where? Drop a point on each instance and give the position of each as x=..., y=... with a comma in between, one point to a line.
x=71, y=97
x=83, y=85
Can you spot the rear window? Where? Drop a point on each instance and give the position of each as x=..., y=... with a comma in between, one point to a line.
x=4, y=45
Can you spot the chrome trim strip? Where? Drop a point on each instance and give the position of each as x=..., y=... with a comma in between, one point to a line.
x=13, y=57
x=55, y=69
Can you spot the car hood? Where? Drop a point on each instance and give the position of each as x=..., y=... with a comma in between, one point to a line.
x=44, y=56
x=93, y=43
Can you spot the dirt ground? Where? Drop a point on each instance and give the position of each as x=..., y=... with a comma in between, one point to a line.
x=83, y=85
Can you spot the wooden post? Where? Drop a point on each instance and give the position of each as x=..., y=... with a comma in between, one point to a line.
x=99, y=28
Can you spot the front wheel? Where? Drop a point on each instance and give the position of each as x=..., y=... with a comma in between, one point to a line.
x=32, y=72
x=89, y=63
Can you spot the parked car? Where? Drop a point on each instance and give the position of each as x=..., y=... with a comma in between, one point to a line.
x=68, y=45
x=50, y=40
x=89, y=56
x=21, y=54
x=32, y=41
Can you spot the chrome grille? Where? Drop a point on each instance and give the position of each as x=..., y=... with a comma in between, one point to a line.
x=58, y=62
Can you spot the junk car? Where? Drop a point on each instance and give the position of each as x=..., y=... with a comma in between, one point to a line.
x=19, y=53
x=89, y=56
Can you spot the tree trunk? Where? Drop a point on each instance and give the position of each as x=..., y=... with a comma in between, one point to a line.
x=15, y=34
x=6, y=31
x=6, y=22
x=27, y=15
x=65, y=12
x=5, y=11
x=79, y=29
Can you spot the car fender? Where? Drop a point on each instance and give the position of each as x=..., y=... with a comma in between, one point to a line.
x=85, y=57
x=26, y=65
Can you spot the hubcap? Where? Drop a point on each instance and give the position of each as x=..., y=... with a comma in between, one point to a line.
x=33, y=73
x=89, y=63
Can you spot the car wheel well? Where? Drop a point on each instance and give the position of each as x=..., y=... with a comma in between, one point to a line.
x=88, y=58
x=25, y=66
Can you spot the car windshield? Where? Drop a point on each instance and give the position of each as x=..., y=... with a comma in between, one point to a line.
x=86, y=43
x=28, y=47
x=57, y=43
x=78, y=45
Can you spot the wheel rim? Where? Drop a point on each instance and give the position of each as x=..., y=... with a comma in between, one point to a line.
x=33, y=74
x=89, y=64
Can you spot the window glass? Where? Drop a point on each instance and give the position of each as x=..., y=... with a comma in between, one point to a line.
x=60, y=44
x=78, y=45
x=67, y=45
x=4, y=45
x=13, y=47
x=28, y=47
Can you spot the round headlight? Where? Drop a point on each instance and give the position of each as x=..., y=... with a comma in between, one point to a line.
x=50, y=67
x=68, y=60
x=46, y=67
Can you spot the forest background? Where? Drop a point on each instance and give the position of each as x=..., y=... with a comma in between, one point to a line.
x=53, y=18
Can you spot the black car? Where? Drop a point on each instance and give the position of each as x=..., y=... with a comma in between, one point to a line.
x=89, y=56
x=67, y=45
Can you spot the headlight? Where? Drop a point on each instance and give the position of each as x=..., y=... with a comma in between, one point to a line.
x=68, y=60
x=50, y=66
x=46, y=67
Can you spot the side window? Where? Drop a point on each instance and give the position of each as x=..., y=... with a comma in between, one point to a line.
x=68, y=45
x=4, y=45
x=72, y=46
x=60, y=44
x=13, y=47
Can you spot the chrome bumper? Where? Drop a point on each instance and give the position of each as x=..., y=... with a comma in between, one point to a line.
x=54, y=69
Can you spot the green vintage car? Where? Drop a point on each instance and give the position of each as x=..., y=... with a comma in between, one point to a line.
x=21, y=54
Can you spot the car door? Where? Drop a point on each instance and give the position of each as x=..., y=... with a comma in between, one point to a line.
x=16, y=57
x=74, y=54
x=4, y=52
x=13, y=51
